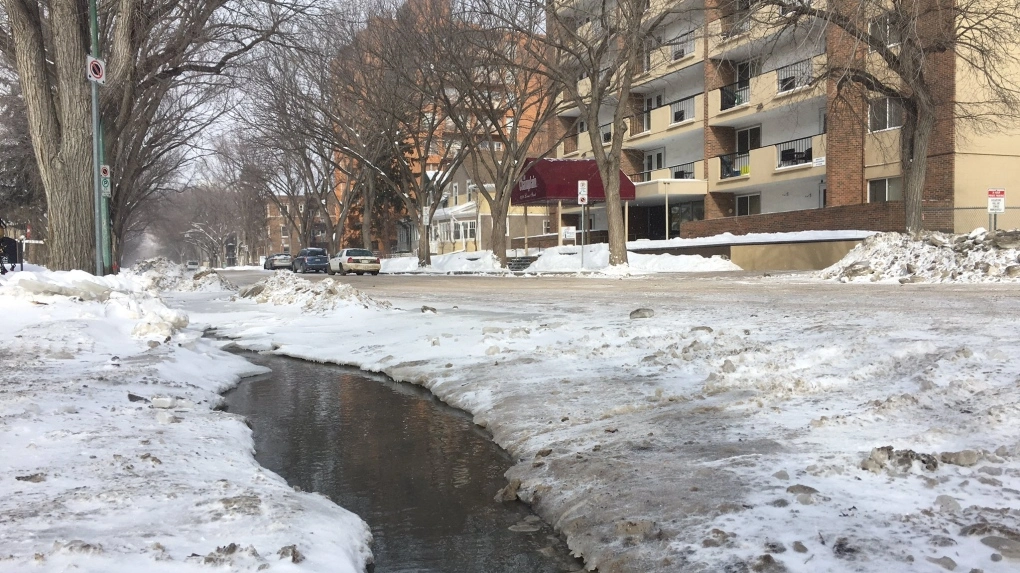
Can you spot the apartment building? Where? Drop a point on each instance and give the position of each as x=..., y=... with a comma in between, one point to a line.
x=730, y=129
x=283, y=218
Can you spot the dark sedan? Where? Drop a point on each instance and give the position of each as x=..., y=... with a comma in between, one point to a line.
x=310, y=259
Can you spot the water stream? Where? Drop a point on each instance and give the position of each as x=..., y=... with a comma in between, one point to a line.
x=419, y=472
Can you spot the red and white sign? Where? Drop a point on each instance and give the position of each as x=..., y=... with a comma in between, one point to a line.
x=996, y=201
x=96, y=69
x=582, y=192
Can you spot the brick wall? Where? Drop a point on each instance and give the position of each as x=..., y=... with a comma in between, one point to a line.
x=846, y=121
x=864, y=217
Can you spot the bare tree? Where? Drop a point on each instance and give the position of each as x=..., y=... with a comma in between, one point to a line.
x=151, y=45
x=500, y=99
x=903, y=58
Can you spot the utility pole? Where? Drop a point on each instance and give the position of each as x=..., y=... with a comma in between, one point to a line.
x=101, y=180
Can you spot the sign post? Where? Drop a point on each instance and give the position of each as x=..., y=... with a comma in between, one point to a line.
x=582, y=200
x=996, y=205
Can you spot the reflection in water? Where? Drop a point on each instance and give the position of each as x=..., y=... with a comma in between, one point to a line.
x=419, y=472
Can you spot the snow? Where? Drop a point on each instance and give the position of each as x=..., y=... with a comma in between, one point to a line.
x=841, y=421
x=563, y=260
x=979, y=256
x=114, y=456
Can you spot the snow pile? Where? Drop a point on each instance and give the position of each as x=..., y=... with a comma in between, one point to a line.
x=476, y=262
x=284, y=288
x=596, y=258
x=114, y=456
x=162, y=274
x=564, y=260
x=980, y=256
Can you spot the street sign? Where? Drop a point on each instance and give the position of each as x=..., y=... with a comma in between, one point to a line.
x=996, y=201
x=95, y=69
x=32, y=241
x=569, y=233
x=104, y=170
x=582, y=192
x=104, y=184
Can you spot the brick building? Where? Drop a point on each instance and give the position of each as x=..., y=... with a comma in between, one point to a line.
x=733, y=128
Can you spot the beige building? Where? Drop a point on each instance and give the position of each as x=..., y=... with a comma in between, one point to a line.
x=731, y=130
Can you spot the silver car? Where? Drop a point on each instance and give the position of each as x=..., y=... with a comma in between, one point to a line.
x=280, y=261
x=358, y=261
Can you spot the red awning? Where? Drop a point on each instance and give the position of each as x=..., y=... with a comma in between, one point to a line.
x=547, y=181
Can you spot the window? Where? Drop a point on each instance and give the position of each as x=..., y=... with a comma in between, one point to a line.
x=884, y=31
x=301, y=208
x=748, y=139
x=283, y=210
x=890, y=189
x=546, y=227
x=749, y=205
x=886, y=113
x=285, y=231
x=456, y=193
x=286, y=249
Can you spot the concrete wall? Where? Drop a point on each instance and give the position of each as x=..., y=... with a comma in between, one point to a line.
x=790, y=256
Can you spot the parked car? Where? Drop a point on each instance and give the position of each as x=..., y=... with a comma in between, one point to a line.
x=191, y=265
x=310, y=259
x=278, y=261
x=359, y=261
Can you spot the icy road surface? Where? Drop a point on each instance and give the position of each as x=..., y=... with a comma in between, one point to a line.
x=742, y=426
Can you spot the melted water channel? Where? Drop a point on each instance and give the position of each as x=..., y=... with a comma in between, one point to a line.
x=419, y=472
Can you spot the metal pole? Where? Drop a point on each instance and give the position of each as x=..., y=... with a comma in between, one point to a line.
x=101, y=226
x=583, y=238
x=96, y=193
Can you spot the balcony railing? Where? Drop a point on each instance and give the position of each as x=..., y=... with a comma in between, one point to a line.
x=683, y=171
x=681, y=110
x=734, y=165
x=737, y=23
x=642, y=177
x=682, y=45
x=734, y=95
x=793, y=76
x=795, y=152
x=606, y=132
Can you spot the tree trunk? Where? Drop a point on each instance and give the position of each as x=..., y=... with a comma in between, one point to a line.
x=424, y=251
x=914, y=140
x=497, y=238
x=366, y=214
x=57, y=101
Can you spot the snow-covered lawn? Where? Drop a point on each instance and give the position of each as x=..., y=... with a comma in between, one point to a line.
x=738, y=424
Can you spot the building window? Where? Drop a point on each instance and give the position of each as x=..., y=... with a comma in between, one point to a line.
x=283, y=210
x=286, y=249
x=883, y=30
x=546, y=227
x=456, y=193
x=749, y=205
x=285, y=231
x=890, y=189
x=301, y=208
x=885, y=113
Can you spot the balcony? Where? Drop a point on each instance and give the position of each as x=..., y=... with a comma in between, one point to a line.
x=671, y=119
x=794, y=159
x=677, y=53
x=582, y=142
x=734, y=95
x=743, y=27
x=785, y=86
x=680, y=179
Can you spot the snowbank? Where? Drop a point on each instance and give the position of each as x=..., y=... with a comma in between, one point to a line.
x=285, y=288
x=980, y=256
x=596, y=258
x=161, y=274
x=114, y=456
x=564, y=260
